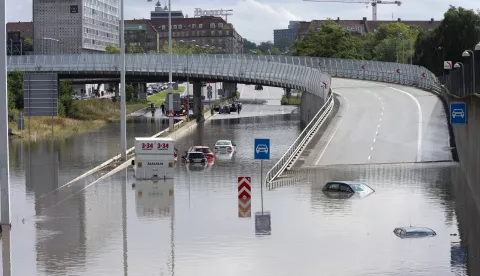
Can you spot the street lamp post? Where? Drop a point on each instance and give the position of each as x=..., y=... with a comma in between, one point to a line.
x=170, y=78
x=458, y=65
x=4, y=170
x=123, y=116
x=467, y=53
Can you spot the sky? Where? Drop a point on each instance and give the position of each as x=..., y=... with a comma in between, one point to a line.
x=255, y=20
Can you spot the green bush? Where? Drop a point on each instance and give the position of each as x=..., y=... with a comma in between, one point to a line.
x=65, y=100
x=129, y=93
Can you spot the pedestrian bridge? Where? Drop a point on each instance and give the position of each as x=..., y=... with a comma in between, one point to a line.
x=310, y=74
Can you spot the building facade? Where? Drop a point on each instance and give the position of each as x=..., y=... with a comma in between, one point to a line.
x=207, y=32
x=19, y=38
x=75, y=26
x=162, y=13
x=283, y=38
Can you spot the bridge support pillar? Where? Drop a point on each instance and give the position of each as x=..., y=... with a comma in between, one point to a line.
x=230, y=89
x=142, y=90
x=197, y=99
x=117, y=89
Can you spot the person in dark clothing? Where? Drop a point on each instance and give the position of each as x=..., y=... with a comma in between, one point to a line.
x=163, y=108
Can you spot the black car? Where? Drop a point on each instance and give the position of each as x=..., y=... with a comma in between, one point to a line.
x=224, y=109
x=195, y=157
x=233, y=107
x=258, y=87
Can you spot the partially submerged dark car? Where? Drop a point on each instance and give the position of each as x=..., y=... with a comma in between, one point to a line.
x=346, y=189
x=414, y=232
x=224, y=109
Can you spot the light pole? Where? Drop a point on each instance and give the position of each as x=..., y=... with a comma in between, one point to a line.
x=123, y=115
x=467, y=53
x=170, y=78
x=4, y=170
x=188, y=78
x=458, y=65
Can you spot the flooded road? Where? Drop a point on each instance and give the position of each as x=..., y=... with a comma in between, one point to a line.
x=191, y=226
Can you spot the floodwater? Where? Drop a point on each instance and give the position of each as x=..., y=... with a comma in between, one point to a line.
x=191, y=225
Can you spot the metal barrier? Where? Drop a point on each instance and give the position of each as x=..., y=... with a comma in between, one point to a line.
x=302, y=140
x=218, y=67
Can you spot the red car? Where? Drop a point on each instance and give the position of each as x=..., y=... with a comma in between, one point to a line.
x=206, y=150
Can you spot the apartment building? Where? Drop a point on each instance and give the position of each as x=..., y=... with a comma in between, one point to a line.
x=206, y=31
x=75, y=26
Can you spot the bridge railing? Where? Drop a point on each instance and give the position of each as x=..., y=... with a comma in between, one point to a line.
x=301, y=140
x=221, y=67
x=390, y=72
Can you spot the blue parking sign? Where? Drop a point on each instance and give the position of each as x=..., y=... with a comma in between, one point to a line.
x=262, y=149
x=458, y=113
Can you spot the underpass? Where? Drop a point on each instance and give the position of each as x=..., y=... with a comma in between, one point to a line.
x=381, y=123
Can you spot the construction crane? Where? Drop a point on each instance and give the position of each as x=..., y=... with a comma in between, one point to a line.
x=374, y=4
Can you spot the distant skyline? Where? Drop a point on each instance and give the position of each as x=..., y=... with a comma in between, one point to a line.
x=255, y=20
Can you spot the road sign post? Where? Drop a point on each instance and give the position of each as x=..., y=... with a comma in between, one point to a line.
x=448, y=65
x=263, y=223
x=262, y=152
x=458, y=113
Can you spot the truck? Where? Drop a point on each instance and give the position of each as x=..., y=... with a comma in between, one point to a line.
x=154, y=158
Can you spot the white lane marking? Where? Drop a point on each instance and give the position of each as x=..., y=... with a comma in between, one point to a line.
x=380, y=120
x=420, y=122
x=336, y=129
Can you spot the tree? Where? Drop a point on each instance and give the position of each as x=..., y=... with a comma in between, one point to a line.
x=65, y=101
x=129, y=93
x=330, y=41
x=15, y=90
x=112, y=49
x=248, y=46
x=458, y=31
x=135, y=50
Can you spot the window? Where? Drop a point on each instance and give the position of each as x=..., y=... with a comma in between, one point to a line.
x=163, y=28
x=345, y=188
x=200, y=26
x=333, y=187
x=174, y=27
x=212, y=25
x=180, y=27
x=220, y=25
x=194, y=26
x=212, y=33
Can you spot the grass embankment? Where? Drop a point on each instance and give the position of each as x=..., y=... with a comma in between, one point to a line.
x=88, y=115
x=159, y=98
x=292, y=101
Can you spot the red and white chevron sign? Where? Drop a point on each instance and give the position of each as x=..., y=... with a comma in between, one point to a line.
x=244, y=208
x=244, y=188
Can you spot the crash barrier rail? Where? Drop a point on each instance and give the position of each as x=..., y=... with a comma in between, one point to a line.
x=302, y=139
x=217, y=67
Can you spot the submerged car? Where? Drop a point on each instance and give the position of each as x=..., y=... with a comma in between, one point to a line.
x=224, y=146
x=224, y=109
x=414, y=232
x=195, y=157
x=348, y=188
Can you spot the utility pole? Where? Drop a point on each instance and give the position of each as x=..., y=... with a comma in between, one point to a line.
x=170, y=78
x=4, y=169
x=123, y=116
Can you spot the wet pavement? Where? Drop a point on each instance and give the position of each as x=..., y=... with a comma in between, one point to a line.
x=192, y=226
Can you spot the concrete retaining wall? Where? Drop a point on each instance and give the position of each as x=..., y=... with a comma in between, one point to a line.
x=467, y=142
x=309, y=106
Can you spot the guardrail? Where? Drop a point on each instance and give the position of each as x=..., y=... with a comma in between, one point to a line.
x=291, y=154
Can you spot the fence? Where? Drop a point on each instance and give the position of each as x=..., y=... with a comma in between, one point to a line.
x=460, y=80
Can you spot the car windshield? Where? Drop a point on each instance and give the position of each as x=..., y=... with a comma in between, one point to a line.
x=358, y=187
x=196, y=155
x=223, y=143
x=204, y=150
